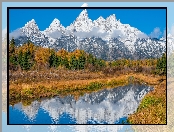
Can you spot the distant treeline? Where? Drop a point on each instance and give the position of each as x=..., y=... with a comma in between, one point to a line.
x=31, y=57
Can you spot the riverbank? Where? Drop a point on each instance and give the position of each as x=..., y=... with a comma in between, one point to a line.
x=33, y=86
x=37, y=90
x=152, y=109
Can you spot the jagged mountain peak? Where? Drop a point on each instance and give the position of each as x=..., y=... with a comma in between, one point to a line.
x=30, y=31
x=55, y=26
x=105, y=38
x=100, y=19
x=30, y=25
x=82, y=23
x=111, y=17
x=32, y=22
x=55, y=22
x=84, y=13
x=30, y=28
x=83, y=16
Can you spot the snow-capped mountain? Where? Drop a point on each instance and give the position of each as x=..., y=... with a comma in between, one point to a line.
x=55, y=29
x=29, y=32
x=108, y=38
x=82, y=23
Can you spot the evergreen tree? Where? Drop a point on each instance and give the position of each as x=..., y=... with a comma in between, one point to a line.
x=20, y=55
x=12, y=56
x=73, y=63
x=53, y=60
x=24, y=60
x=13, y=60
x=65, y=62
x=12, y=46
x=81, y=62
x=90, y=59
x=58, y=60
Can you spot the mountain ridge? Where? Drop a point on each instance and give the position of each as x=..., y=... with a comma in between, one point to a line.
x=101, y=37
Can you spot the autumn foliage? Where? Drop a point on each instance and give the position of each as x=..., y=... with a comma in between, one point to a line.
x=31, y=57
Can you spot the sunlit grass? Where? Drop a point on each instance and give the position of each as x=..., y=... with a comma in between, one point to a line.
x=152, y=109
x=53, y=88
x=48, y=88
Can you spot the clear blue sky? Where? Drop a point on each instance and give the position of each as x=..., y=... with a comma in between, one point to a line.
x=143, y=19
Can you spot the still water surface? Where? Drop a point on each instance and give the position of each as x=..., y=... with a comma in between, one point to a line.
x=108, y=106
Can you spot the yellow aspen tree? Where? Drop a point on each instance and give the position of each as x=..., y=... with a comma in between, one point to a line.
x=42, y=57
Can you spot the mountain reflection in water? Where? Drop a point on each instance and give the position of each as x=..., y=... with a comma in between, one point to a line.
x=108, y=106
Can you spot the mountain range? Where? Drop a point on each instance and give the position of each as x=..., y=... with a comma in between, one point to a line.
x=108, y=38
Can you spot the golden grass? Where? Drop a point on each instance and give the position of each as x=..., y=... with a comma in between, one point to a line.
x=86, y=82
x=49, y=88
x=152, y=109
x=19, y=77
x=170, y=114
x=52, y=88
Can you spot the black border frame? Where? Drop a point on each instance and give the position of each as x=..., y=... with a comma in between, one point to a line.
x=8, y=8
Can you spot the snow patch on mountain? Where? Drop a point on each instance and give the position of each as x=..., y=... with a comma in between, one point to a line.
x=105, y=38
x=82, y=23
x=55, y=30
x=16, y=34
x=31, y=28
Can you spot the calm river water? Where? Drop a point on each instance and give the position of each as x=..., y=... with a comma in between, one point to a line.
x=108, y=106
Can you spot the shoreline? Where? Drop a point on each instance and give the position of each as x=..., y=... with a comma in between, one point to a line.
x=152, y=106
x=47, y=88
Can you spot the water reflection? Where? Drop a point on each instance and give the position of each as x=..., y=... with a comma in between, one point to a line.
x=108, y=106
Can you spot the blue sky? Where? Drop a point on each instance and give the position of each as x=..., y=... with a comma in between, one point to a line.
x=145, y=20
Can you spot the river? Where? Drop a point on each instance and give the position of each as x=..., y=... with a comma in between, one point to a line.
x=107, y=106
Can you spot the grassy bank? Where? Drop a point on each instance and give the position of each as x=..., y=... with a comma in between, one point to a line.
x=32, y=91
x=31, y=86
x=152, y=109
